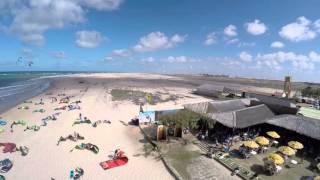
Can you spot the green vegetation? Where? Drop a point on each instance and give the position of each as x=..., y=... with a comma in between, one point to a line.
x=122, y=94
x=311, y=91
x=139, y=97
x=186, y=118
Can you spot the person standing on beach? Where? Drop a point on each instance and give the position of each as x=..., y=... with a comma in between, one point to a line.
x=80, y=116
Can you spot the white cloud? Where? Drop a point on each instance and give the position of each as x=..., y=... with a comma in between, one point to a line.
x=246, y=44
x=58, y=54
x=298, y=31
x=88, y=39
x=27, y=53
x=315, y=57
x=148, y=60
x=101, y=5
x=175, y=39
x=303, y=65
x=231, y=30
x=211, y=39
x=256, y=27
x=158, y=40
x=316, y=25
x=232, y=41
x=244, y=56
x=109, y=58
x=30, y=19
x=277, y=44
x=121, y=53
x=232, y=63
x=180, y=59
x=274, y=60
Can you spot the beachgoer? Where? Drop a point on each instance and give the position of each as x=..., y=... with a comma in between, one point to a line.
x=23, y=149
x=80, y=116
x=116, y=154
x=23, y=123
x=53, y=117
x=107, y=121
x=95, y=124
x=286, y=159
x=77, y=173
x=235, y=171
x=75, y=137
x=34, y=128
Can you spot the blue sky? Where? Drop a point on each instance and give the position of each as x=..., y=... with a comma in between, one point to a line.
x=250, y=38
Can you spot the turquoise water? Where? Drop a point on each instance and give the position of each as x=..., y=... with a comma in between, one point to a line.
x=16, y=87
x=11, y=78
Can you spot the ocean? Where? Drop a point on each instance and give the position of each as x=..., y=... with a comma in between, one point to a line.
x=12, y=78
x=15, y=87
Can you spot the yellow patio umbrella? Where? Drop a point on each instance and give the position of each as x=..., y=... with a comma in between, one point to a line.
x=295, y=145
x=273, y=134
x=276, y=158
x=262, y=140
x=287, y=150
x=251, y=144
x=316, y=178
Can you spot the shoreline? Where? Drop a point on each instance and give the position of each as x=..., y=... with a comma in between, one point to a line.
x=13, y=95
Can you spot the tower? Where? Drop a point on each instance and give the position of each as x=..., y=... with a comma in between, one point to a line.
x=287, y=86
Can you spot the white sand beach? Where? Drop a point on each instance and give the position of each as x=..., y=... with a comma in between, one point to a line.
x=47, y=160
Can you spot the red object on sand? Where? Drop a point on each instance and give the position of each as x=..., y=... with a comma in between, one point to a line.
x=8, y=147
x=122, y=160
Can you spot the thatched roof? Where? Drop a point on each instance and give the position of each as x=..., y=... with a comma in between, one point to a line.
x=300, y=124
x=277, y=105
x=237, y=117
x=243, y=118
x=218, y=106
x=200, y=108
x=225, y=106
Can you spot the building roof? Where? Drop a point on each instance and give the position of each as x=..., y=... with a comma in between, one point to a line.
x=237, y=117
x=272, y=100
x=218, y=106
x=310, y=112
x=300, y=124
x=225, y=106
x=243, y=118
x=200, y=107
x=276, y=104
